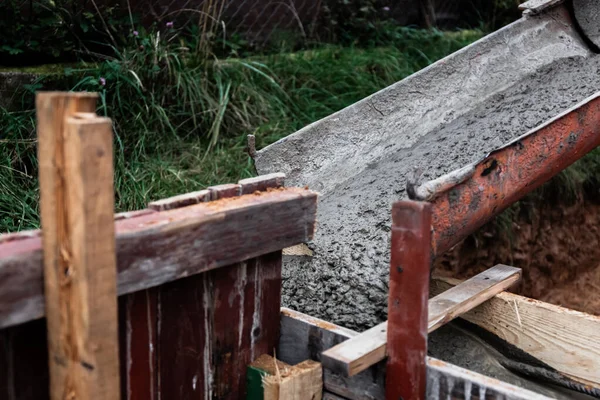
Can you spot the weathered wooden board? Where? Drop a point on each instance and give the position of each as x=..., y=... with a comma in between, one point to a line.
x=159, y=247
x=455, y=301
x=77, y=203
x=138, y=344
x=182, y=200
x=204, y=354
x=262, y=183
x=190, y=338
x=566, y=340
x=304, y=336
x=370, y=347
x=406, y=338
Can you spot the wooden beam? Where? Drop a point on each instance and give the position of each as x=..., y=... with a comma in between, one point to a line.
x=160, y=247
x=76, y=185
x=304, y=336
x=566, y=340
x=370, y=347
x=406, y=333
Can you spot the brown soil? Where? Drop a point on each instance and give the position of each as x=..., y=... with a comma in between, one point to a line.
x=558, y=249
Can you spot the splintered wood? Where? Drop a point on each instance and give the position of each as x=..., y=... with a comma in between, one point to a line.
x=301, y=382
x=355, y=355
x=281, y=381
x=76, y=190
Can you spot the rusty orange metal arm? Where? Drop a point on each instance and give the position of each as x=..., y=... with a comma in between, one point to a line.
x=464, y=200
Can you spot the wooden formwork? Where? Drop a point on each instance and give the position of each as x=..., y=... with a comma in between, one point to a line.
x=178, y=299
x=198, y=277
x=442, y=213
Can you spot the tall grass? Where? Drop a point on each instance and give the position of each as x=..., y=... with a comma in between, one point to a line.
x=181, y=117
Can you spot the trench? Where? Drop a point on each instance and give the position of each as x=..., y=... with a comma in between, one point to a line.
x=555, y=243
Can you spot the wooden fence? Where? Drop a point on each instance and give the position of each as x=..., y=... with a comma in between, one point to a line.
x=198, y=277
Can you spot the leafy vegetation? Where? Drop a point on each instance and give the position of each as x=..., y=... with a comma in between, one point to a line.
x=181, y=118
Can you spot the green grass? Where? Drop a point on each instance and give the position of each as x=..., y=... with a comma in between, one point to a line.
x=181, y=120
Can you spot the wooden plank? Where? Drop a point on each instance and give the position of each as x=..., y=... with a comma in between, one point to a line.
x=262, y=183
x=446, y=306
x=447, y=381
x=133, y=214
x=300, y=382
x=225, y=191
x=138, y=329
x=79, y=256
x=407, y=304
x=370, y=347
x=303, y=335
x=163, y=246
x=214, y=324
x=566, y=340
x=182, y=200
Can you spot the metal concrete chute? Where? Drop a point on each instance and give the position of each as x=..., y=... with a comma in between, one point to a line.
x=343, y=144
x=481, y=128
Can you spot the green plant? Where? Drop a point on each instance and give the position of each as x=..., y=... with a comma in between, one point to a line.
x=170, y=105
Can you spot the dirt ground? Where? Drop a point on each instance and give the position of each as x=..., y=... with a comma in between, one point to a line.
x=557, y=247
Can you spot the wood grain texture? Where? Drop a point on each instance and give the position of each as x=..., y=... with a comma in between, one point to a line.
x=567, y=340
x=302, y=381
x=138, y=340
x=356, y=355
x=448, y=305
x=160, y=247
x=303, y=335
x=408, y=301
x=193, y=337
x=370, y=347
x=79, y=258
x=182, y=200
x=224, y=191
x=262, y=183
x=213, y=325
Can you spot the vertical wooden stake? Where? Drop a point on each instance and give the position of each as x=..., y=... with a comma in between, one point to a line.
x=407, y=303
x=77, y=207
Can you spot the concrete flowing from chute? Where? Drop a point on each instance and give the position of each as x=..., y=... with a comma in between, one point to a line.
x=438, y=120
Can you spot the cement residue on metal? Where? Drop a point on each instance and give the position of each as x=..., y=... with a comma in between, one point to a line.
x=346, y=282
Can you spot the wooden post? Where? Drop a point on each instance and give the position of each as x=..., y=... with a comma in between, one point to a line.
x=407, y=303
x=77, y=207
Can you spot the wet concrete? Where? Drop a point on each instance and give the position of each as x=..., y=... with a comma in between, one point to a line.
x=440, y=119
x=346, y=281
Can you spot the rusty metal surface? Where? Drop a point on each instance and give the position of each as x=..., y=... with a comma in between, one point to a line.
x=408, y=297
x=507, y=174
